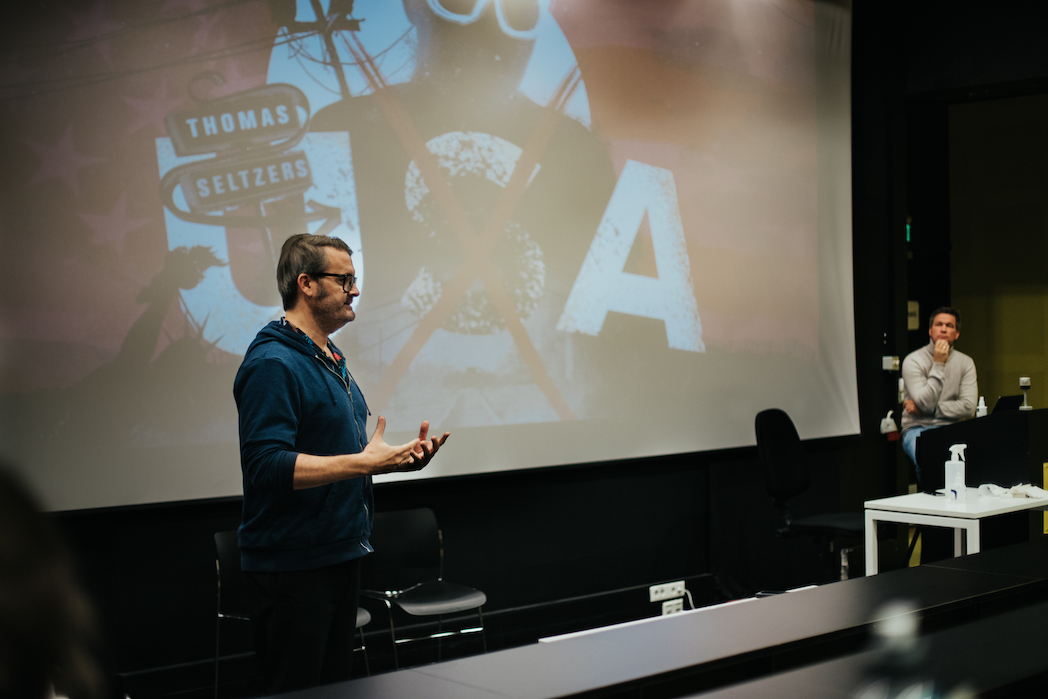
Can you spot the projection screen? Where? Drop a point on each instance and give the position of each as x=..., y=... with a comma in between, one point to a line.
x=585, y=230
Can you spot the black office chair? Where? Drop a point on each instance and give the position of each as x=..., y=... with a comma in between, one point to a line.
x=406, y=571
x=232, y=595
x=786, y=475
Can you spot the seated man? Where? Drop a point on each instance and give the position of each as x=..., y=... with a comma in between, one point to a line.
x=940, y=383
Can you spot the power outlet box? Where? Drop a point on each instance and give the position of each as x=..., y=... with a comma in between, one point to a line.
x=670, y=590
x=672, y=606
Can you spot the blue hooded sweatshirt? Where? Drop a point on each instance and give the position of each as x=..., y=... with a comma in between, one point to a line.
x=292, y=401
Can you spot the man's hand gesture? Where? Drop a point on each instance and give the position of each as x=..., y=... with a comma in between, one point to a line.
x=384, y=458
x=412, y=456
x=427, y=448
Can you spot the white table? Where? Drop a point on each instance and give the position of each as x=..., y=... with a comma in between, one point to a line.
x=936, y=511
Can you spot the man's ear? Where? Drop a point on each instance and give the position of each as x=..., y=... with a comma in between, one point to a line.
x=306, y=286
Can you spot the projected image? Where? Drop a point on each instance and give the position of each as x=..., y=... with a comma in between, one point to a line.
x=462, y=280
x=589, y=229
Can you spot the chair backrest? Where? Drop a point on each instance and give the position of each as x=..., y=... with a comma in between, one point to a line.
x=407, y=550
x=233, y=590
x=782, y=459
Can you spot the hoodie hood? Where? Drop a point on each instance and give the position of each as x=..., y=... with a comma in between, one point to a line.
x=283, y=333
x=279, y=331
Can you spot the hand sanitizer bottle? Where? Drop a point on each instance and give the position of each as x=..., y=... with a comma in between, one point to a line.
x=955, y=473
x=980, y=410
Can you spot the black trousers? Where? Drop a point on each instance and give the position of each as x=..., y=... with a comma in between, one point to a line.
x=303, y=623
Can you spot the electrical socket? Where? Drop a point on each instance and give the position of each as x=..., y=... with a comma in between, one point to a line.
x=672, y=590
x=672, y=606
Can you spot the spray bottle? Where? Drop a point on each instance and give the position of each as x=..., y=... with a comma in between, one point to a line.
x=955, y=489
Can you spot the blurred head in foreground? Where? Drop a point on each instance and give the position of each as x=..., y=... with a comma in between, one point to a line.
x=46, y=621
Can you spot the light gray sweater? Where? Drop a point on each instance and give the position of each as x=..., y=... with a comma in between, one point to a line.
x=944, y=393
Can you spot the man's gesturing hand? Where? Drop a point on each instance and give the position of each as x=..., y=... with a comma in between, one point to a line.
x=385, y=458
x=376, y=458
x=427, y=448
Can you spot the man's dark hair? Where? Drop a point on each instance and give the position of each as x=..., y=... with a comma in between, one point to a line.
x=303, y=254
x=946, y=309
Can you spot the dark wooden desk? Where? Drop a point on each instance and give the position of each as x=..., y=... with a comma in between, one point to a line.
x=1002, y=654
x=711, y=646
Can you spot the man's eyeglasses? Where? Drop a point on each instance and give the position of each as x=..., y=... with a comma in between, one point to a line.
x=347, y=281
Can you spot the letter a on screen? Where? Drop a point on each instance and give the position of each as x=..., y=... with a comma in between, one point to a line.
x=603, y=286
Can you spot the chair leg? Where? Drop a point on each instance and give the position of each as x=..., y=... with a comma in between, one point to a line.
x=364, y=650
x=440, y=639
x=483, y=635
x=913, y=544
x=392, y=634
x=218, y=624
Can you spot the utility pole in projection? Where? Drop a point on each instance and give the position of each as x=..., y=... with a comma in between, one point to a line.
x=327, y=25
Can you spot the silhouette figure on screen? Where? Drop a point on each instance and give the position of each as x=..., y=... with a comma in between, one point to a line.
x=477, y=207
x=164, y=382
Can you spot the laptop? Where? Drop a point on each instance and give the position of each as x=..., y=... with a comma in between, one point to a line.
x=1005, y=403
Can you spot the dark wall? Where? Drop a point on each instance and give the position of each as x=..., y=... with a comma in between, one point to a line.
x=1000, y=238
x=928, y=210
x=538, y=536
x=968, y=49
x=524, y=538
x=955, y=54
x=878, y=239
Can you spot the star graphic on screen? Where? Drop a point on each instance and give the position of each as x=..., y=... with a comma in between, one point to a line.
x=150, y=112
x=235, y=81
x=13, y=70
x=91, y=26
x=183, y=6
x=112, y=228
x=205, y=37
x=61, y=161
x=14, y=81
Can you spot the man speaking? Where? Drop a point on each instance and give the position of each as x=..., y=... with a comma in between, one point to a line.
x=307, y=467
x=940, y=385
